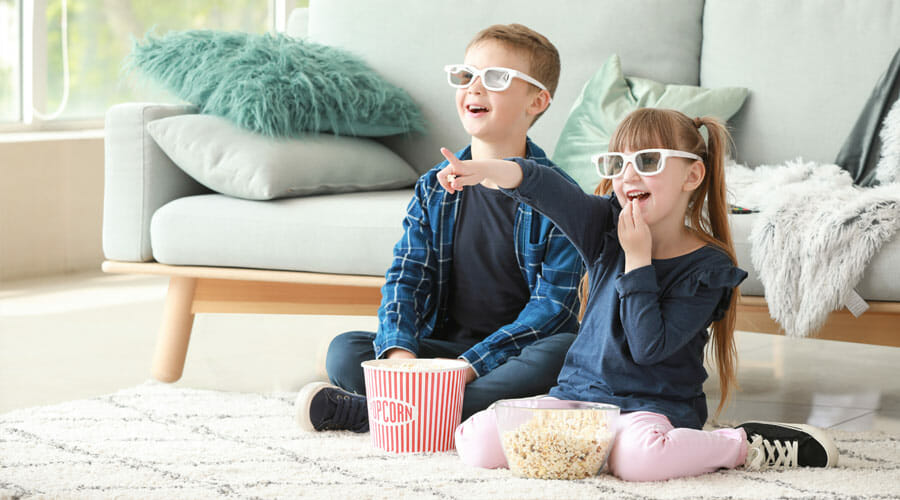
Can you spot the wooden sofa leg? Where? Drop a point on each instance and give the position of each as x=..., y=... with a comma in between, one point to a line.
x=175, y=332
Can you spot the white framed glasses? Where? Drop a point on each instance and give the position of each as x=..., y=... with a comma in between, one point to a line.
x=646, y=162
x=496, y=79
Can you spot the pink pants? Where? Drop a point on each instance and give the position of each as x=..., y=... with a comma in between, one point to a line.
x=647, y=447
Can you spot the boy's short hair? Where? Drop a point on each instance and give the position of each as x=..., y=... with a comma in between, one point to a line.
x=543, y=57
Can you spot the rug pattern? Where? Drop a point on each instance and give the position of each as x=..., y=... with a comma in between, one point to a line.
x=161, y=441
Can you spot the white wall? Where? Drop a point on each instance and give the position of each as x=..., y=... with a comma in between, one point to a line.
x=51, y=206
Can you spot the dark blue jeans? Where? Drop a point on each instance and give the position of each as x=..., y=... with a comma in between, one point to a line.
x=532, y=372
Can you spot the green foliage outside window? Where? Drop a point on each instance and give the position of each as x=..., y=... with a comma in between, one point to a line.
x=100, y=34
x=6, y=95
x=8, y=57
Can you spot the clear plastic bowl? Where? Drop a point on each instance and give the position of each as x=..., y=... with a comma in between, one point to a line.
x=556, y=439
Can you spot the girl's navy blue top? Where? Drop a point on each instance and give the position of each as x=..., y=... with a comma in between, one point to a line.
x=642, y=338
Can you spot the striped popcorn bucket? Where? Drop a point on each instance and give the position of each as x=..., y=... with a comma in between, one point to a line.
x=414, y=404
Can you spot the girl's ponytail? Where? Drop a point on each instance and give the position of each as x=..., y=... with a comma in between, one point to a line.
x=713, y=227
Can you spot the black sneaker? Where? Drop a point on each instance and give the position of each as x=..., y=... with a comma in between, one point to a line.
x=775, y=445
x=325, y=407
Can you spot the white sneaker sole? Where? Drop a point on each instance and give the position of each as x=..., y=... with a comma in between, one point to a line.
x=302, y=404
x=818, y=434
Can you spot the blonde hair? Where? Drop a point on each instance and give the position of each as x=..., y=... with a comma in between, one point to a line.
x=543, y=58
x=707, y=212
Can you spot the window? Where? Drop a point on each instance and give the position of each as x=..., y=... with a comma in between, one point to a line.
x=9, y=60
x=46, y=81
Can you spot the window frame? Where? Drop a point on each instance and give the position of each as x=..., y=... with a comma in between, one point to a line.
x=32, y=69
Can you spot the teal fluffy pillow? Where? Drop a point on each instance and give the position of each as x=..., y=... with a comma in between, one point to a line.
x=276, y=85
x=609, y=96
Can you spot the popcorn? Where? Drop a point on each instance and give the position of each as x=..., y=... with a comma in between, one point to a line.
x=424, y=365
x=414, y=404
x=559, y=444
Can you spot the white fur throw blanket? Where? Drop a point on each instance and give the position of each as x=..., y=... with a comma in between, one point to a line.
x=814, y=235
x=888, y=168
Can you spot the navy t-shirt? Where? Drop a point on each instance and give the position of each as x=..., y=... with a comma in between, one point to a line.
x=642, y=338
x=487, y=288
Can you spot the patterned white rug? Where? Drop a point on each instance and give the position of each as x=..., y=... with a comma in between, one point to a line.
x=159, y=441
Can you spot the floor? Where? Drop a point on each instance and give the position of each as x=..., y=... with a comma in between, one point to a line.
x=83, y=335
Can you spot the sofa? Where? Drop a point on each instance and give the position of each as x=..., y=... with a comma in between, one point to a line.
x=809, y=65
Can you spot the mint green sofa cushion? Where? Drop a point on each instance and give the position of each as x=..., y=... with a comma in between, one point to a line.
x=350, y=233
x=244, y=164
x=609, y=96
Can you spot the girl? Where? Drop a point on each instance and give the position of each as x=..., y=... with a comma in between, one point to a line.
x=660, y=270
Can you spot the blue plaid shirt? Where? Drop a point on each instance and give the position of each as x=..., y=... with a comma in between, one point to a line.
x=414, y=297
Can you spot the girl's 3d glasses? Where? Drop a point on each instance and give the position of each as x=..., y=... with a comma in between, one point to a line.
x=646, y=162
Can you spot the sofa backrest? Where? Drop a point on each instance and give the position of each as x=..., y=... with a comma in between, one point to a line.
x=410, y=41
x=810, y=65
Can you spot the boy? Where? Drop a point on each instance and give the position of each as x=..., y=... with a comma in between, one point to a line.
x=476, y=276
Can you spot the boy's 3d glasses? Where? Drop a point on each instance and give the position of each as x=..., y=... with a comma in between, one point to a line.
x=496, y=79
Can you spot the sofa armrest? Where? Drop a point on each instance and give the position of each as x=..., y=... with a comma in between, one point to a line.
x=139, y=178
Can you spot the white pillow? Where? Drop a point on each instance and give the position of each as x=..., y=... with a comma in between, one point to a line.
x=244, y=164
x=888, y=168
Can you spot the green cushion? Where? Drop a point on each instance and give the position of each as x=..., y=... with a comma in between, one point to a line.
x=609, y=96
x=276, y=85
x=244, y=164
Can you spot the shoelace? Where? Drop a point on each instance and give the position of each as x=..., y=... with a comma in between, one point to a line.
x=768, y=454
x=350, y=413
